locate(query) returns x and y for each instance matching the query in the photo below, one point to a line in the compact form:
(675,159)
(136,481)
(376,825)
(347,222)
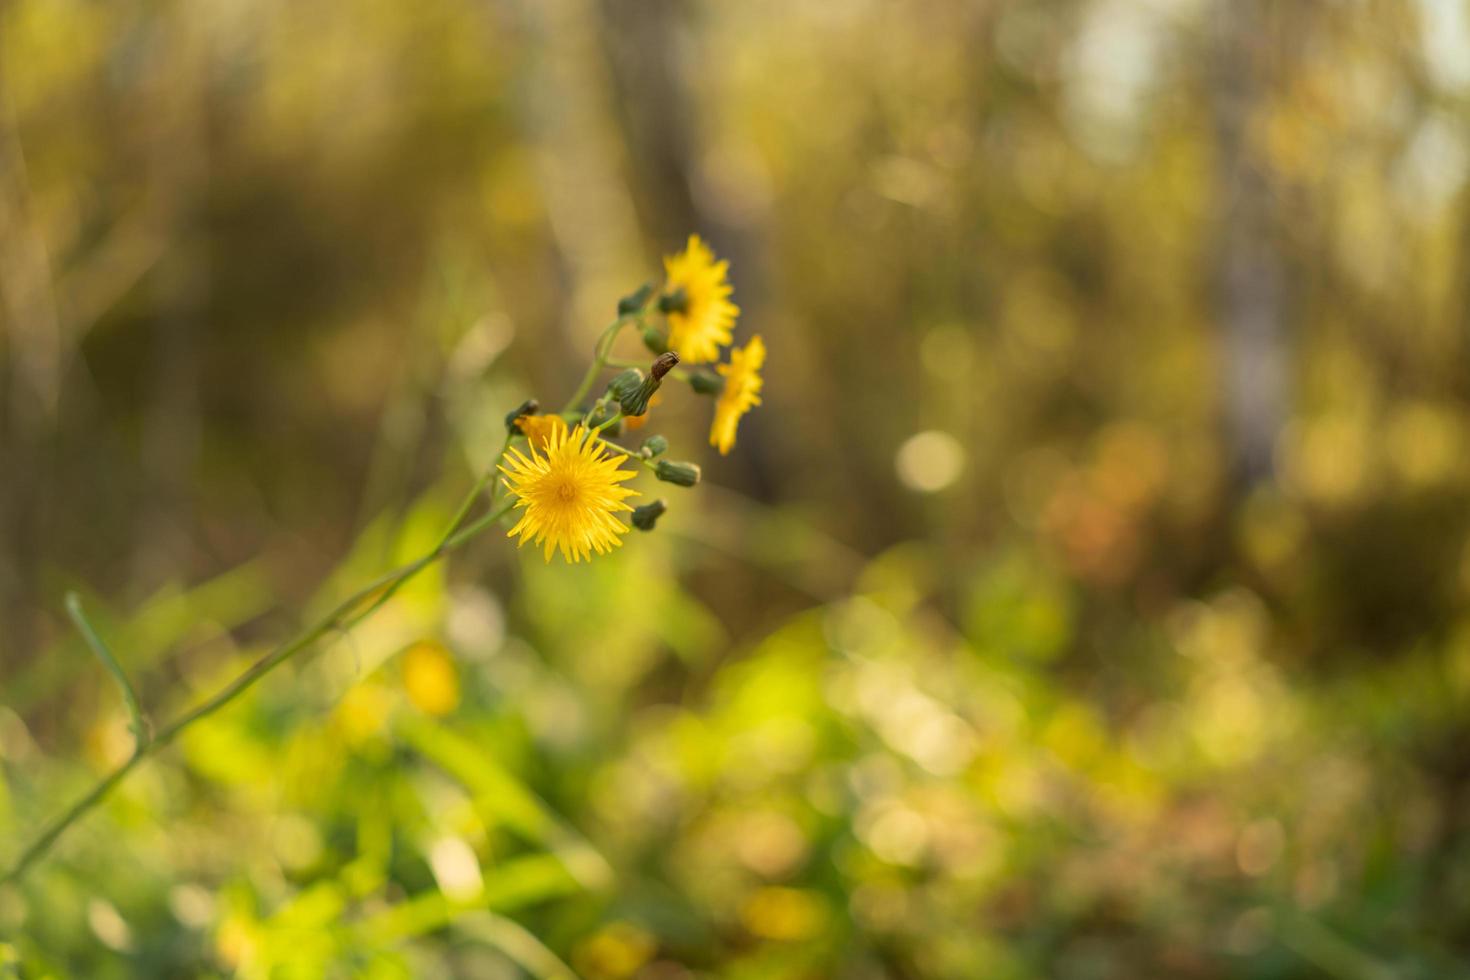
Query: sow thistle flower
(569,494)
(697,300)
(566,482)
(539,429)
(741,393)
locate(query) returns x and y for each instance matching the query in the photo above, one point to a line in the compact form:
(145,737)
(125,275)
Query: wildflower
(697,301)
(569,494)
(538,429)
(431,679)
(528,407)
(742,392)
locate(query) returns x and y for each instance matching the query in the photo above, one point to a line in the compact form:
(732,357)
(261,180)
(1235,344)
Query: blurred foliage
(1088,599)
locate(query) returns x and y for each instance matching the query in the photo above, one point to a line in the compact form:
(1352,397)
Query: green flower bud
(679,474)
(635,301)
(655,340)
(653,446)
(705,383)
(625,385)
(674,302)
(528,407)
(632,390)
(645,517)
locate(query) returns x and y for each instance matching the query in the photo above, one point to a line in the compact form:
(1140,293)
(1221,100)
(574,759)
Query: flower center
(566,492)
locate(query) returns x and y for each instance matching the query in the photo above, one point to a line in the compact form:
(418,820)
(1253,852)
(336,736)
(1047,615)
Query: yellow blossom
(431,679)
(741,393)
(538,429)
(569,493)
(702,326)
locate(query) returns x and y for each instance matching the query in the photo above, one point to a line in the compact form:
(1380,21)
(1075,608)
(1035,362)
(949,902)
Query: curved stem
(136,722)
(600,354)
(631,454)
(345,615)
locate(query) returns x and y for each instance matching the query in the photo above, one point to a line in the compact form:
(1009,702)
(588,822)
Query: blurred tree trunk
(31,346)
(1248,274)
(564,107)
(641,38)
(645,46)
(178,92)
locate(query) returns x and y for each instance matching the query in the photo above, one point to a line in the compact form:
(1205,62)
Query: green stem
(137,723)
(631,454)
(603,425)
(592,410)
(345,615)
(600,354)
(491,473)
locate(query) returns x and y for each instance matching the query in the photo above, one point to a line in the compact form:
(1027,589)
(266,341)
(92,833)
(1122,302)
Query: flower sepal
(645,517)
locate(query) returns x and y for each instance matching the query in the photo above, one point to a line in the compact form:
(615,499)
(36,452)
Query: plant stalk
(344,616)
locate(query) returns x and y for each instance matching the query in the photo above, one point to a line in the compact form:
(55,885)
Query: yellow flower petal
(568,495)
(741,393)
(539,428)
(704,325)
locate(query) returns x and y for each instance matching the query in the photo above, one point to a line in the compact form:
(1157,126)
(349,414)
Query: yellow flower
(703,325)
(741,393)
(538,429)
(570,494)
(431,679)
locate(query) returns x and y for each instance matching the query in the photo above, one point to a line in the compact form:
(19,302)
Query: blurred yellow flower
(702,326)
(431,679)
(615,951)
(361,712)
(538,429)
(741,394)
(570,494)
(784,913)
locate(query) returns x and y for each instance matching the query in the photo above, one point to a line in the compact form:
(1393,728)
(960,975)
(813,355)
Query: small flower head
(538,429)
(569,494)
(528,407)
(701,320)
(636,300)
(645,518)
(741,393)
(677,472)
(655,339)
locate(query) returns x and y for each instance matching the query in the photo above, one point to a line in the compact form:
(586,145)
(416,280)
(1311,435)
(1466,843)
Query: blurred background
(1088,599)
